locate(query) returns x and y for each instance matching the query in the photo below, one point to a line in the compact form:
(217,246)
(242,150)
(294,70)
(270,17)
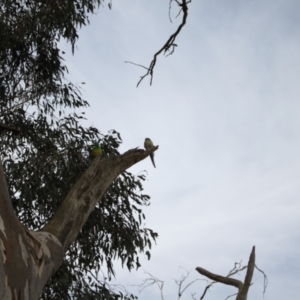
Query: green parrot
(148,145)
(97,151)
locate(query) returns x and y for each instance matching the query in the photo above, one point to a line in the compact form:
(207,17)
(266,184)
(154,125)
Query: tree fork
(242,287)
(29,258)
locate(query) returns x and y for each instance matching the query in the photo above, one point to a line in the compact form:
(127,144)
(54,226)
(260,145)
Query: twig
(129,62)
(181,281)
(206,289)
(265,279)
(170,11)
(230,296)
(151,281)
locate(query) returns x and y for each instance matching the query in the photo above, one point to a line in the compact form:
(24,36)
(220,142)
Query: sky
(225,112)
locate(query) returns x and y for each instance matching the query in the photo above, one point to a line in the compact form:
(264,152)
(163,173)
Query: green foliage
(51,150)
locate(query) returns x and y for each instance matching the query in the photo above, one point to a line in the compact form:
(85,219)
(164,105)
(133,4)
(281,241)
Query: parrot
(97,151)
(148,145)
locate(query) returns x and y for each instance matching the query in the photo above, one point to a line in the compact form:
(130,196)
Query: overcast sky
(225,112)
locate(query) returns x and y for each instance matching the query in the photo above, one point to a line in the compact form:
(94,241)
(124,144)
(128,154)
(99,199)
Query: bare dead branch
(243,287)
(170,4)
(236,269)
(206,289)
(265,279)
(226,280)
(242,295)
(181,281)
(230,296)
(169,46)
(233,272)
(129,62)
(188,285)
(193,296)
(151,281)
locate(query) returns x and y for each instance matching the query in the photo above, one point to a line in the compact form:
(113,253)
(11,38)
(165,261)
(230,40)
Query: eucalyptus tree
(64,216)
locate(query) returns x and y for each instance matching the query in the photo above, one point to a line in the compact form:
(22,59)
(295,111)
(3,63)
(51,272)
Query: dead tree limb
(226,280)
(242,295)
(169,46)
(265,278)
(236,269)
(242,287)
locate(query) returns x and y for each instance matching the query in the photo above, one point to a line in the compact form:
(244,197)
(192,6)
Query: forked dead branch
(183,285)
(243,287)
(169,47)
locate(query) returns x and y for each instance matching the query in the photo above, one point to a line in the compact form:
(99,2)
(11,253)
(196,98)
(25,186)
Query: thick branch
(81,200)
(226,280)
(169,45)
(242,295)
(242,287)
(231,273)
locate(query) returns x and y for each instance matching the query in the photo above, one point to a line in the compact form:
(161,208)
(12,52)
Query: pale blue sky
(225,112)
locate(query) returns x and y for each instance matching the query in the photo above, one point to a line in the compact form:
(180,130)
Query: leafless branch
(151,281)
(236,269)
(170,4)
(243,287)
(230,296)
(265,279)
(193,296)
(129,62)
(169,46)
(206,289)
(226,280)
(181,281)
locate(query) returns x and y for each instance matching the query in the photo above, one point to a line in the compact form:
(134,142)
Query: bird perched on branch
(148,145)
(97,151)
